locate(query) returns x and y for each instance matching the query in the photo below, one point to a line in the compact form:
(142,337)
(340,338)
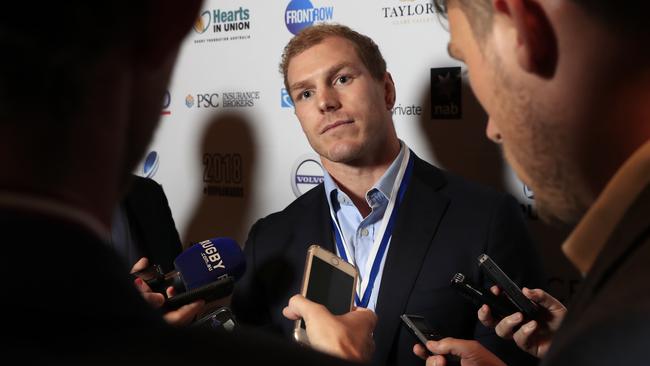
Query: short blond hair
(366,48)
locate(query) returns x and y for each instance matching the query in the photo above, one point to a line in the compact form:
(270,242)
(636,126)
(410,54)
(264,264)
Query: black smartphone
(222,318)
(420,328)
(526,306)
(212,291)
(500,306)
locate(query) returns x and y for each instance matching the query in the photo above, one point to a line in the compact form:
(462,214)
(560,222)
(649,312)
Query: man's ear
(165,25)
(389,91)
(537,48)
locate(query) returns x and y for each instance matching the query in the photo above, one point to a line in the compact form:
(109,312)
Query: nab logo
(203,22)
(285,99)
(167,100)
(446,96)
(151,163)
(306,174)
(301,14)
(529,192)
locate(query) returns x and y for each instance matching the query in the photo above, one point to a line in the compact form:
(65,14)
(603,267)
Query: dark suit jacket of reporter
(151,222)
(70,301)
(608,322)
(443,225)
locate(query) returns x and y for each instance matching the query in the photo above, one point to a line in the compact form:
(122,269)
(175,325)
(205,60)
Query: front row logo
(301,14)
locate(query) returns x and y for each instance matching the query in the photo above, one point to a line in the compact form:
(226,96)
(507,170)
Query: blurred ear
(389,91)
(165,25)
(537,48)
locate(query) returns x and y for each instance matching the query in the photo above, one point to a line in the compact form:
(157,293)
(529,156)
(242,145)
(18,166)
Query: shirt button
(364,232)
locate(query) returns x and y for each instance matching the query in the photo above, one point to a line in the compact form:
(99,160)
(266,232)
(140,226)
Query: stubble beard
(536,153)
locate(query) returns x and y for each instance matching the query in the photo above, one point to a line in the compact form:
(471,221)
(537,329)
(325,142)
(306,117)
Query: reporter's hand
(471,353)
(485,313)
(532,337)
(348,336)
(179,317)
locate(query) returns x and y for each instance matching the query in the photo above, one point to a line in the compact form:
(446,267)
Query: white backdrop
(229,149)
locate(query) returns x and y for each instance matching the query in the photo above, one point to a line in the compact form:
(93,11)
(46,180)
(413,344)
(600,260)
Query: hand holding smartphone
(210,292)
(500,306)
(420,328)
(523,304)
(328,280)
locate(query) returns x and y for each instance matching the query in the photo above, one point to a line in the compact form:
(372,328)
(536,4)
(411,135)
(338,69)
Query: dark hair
(366,48)
(627,20)
(45,60)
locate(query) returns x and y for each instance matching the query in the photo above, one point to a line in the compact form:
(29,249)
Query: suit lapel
(621,244)
(417,222)
(316,210)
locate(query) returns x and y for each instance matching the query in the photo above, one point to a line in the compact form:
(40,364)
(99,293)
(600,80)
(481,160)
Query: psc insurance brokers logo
(446,95)
(301,14)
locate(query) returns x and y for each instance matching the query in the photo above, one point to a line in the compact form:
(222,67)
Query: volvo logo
(306,174)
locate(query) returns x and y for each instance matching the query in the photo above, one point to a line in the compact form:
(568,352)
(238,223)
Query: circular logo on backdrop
(167,100)
(151,163)
(306,174)
(301,14)
(292,15)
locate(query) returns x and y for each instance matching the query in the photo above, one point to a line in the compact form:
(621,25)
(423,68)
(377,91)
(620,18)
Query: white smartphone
(328,280)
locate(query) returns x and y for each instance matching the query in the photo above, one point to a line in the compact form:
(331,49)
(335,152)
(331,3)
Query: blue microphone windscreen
(210,260)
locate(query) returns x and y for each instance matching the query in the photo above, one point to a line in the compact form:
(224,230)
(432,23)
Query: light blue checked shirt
(359,233)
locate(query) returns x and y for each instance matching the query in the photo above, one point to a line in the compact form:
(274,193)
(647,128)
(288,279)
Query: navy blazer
(443,225)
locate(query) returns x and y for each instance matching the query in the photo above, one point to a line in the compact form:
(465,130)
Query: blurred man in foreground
(98,71)
(566,84)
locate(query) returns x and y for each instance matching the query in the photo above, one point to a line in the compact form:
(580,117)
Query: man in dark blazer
(143,225)
(566,86)
(101,70)
(343,98)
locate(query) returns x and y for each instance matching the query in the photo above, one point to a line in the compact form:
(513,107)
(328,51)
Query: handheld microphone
(206,270)
(209,261)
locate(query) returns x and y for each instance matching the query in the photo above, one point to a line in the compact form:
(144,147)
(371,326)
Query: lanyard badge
(365,287)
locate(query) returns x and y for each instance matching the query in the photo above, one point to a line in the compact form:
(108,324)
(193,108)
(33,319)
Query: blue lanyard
(363,302)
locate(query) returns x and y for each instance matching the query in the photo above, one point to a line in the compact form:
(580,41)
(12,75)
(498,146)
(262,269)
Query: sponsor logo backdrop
(229,149)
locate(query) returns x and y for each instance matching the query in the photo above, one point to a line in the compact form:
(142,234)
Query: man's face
(523,114)
(343,110)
